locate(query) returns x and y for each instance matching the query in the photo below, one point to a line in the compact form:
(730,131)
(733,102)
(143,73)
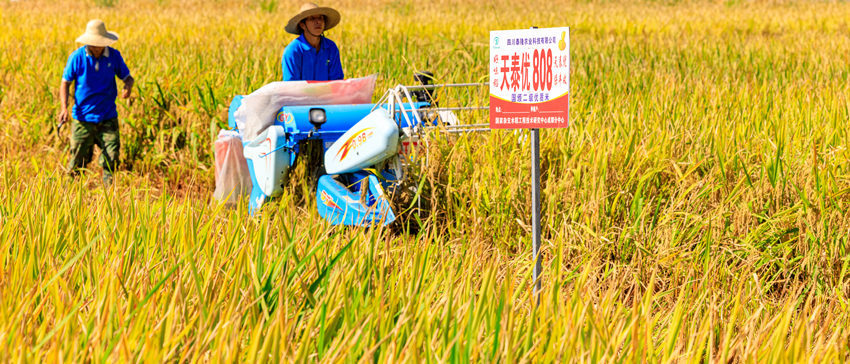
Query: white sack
(232,178)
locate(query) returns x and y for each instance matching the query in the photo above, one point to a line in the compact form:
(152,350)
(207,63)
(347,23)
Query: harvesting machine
(365,148)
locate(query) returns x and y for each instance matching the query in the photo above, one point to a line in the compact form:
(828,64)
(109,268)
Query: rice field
(696,210)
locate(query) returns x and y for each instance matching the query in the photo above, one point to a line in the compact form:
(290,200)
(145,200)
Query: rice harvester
(361,144)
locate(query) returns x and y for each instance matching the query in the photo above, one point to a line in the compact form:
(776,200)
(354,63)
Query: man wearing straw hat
(311,56)
(93,68)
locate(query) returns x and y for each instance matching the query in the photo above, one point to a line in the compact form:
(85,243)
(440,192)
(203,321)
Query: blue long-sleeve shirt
(301,61)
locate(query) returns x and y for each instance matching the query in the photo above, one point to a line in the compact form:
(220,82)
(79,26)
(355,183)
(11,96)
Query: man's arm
(290,63)
(128,87)
(122,72)
(63,102)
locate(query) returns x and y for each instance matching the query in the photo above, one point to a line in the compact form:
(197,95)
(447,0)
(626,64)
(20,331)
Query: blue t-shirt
(95,92)
(302,62)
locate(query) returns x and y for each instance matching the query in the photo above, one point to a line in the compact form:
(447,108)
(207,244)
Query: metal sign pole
(535,210)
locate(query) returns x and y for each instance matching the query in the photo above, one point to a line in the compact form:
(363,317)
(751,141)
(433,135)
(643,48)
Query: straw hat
(310,9)
(96,34)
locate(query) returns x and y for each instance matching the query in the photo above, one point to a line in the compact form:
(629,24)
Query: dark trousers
(84,136)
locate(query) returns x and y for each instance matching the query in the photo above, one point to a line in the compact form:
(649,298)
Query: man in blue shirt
(311,56)
(93,68)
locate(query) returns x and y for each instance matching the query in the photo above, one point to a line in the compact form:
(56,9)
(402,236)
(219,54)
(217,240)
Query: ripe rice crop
(695,211)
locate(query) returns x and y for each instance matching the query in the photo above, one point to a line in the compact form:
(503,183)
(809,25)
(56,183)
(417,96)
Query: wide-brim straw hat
(96,34)
(308,10)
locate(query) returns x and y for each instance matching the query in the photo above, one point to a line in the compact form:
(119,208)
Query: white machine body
(371,140)
(269,160)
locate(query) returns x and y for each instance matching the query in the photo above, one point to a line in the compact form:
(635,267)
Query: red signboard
(529,78)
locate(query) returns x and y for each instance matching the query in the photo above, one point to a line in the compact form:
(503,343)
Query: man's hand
(63,117)
(63,103)
(128,87)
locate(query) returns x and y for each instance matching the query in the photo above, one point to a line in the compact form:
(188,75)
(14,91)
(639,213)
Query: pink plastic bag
(260,107)
(232,178)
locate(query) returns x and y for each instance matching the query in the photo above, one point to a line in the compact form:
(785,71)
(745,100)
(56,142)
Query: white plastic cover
(232,179)
(269,159)
(258,109)
(371,140)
